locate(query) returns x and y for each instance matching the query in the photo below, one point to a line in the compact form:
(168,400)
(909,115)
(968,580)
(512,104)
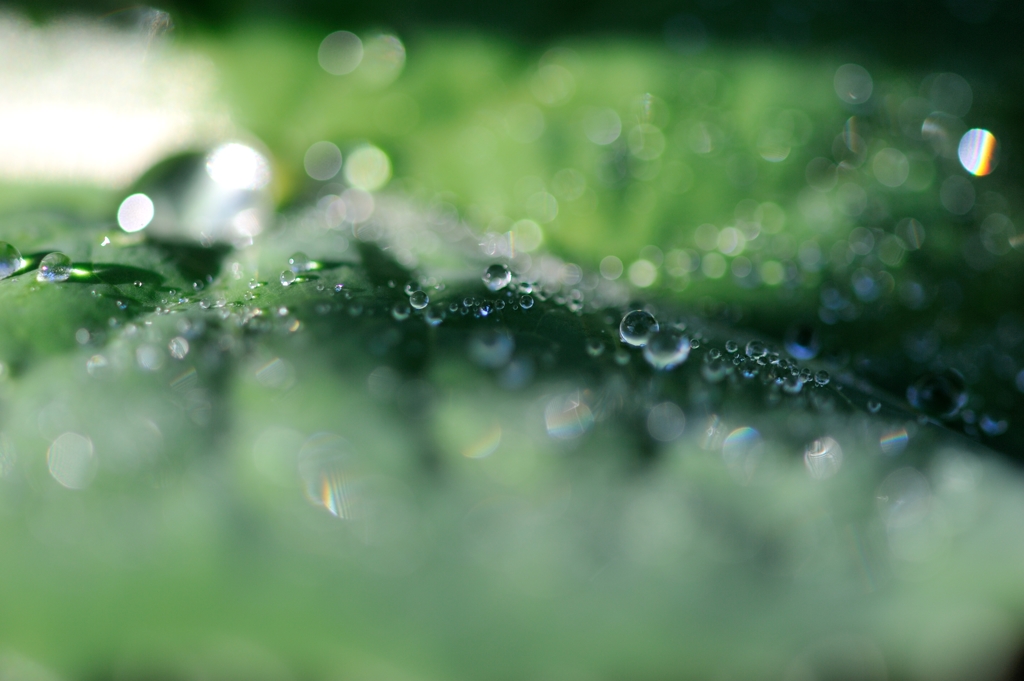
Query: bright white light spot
(135,213)
(237,166)
(368,168)
(643,273)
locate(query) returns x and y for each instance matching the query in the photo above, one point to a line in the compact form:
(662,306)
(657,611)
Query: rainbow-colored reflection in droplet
(977,151)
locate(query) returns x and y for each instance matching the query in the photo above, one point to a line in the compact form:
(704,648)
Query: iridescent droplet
(419,300)
(10,260)
(636,328)
(54,267)
(939,394)
(667,349)
(497,277)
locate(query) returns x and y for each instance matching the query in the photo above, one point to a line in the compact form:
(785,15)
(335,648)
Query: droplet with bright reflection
(977,152)
(636,328)
(238,166)
(823,457)
(568,416)
(666,422)
(178,347)
(322,160)
(10,260)
(667,349)
(419,300)
(939,394)
(54,267)
(741,451)
(853,83)
(340,53)
(135,213)
(368,168)
(497,277)
(72,461)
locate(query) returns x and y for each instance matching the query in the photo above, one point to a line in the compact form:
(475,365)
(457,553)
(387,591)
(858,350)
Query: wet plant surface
(534,385)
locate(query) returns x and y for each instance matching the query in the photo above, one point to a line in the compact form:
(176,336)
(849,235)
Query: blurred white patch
(86,102)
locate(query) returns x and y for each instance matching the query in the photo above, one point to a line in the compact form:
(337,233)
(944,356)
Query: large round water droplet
(939,394)
(54,267)
(667,349)
(802,342)
(300,262)
(731,346)
(636,327)
(419,300)
(10,260)
(497,277)
(756,349)
(526,302)
(822,378)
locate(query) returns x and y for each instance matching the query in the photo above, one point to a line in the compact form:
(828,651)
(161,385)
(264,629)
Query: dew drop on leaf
(636,328)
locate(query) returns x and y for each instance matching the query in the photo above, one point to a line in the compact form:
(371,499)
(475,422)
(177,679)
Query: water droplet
(823,457)
(401,311)
(10,260)
(874,406)
(54,267)
(667,349)
(756,349)
(748,368)
(792,385)
(993,426)
(714,370)
(419,300)
(434,315)
(939,394)
(491,348)
(636,328)
(497,277)
(526,302)
(694,343)
(802,342)
(299,262)
(821,378)
(731,346)
(178,347)
(595,347)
